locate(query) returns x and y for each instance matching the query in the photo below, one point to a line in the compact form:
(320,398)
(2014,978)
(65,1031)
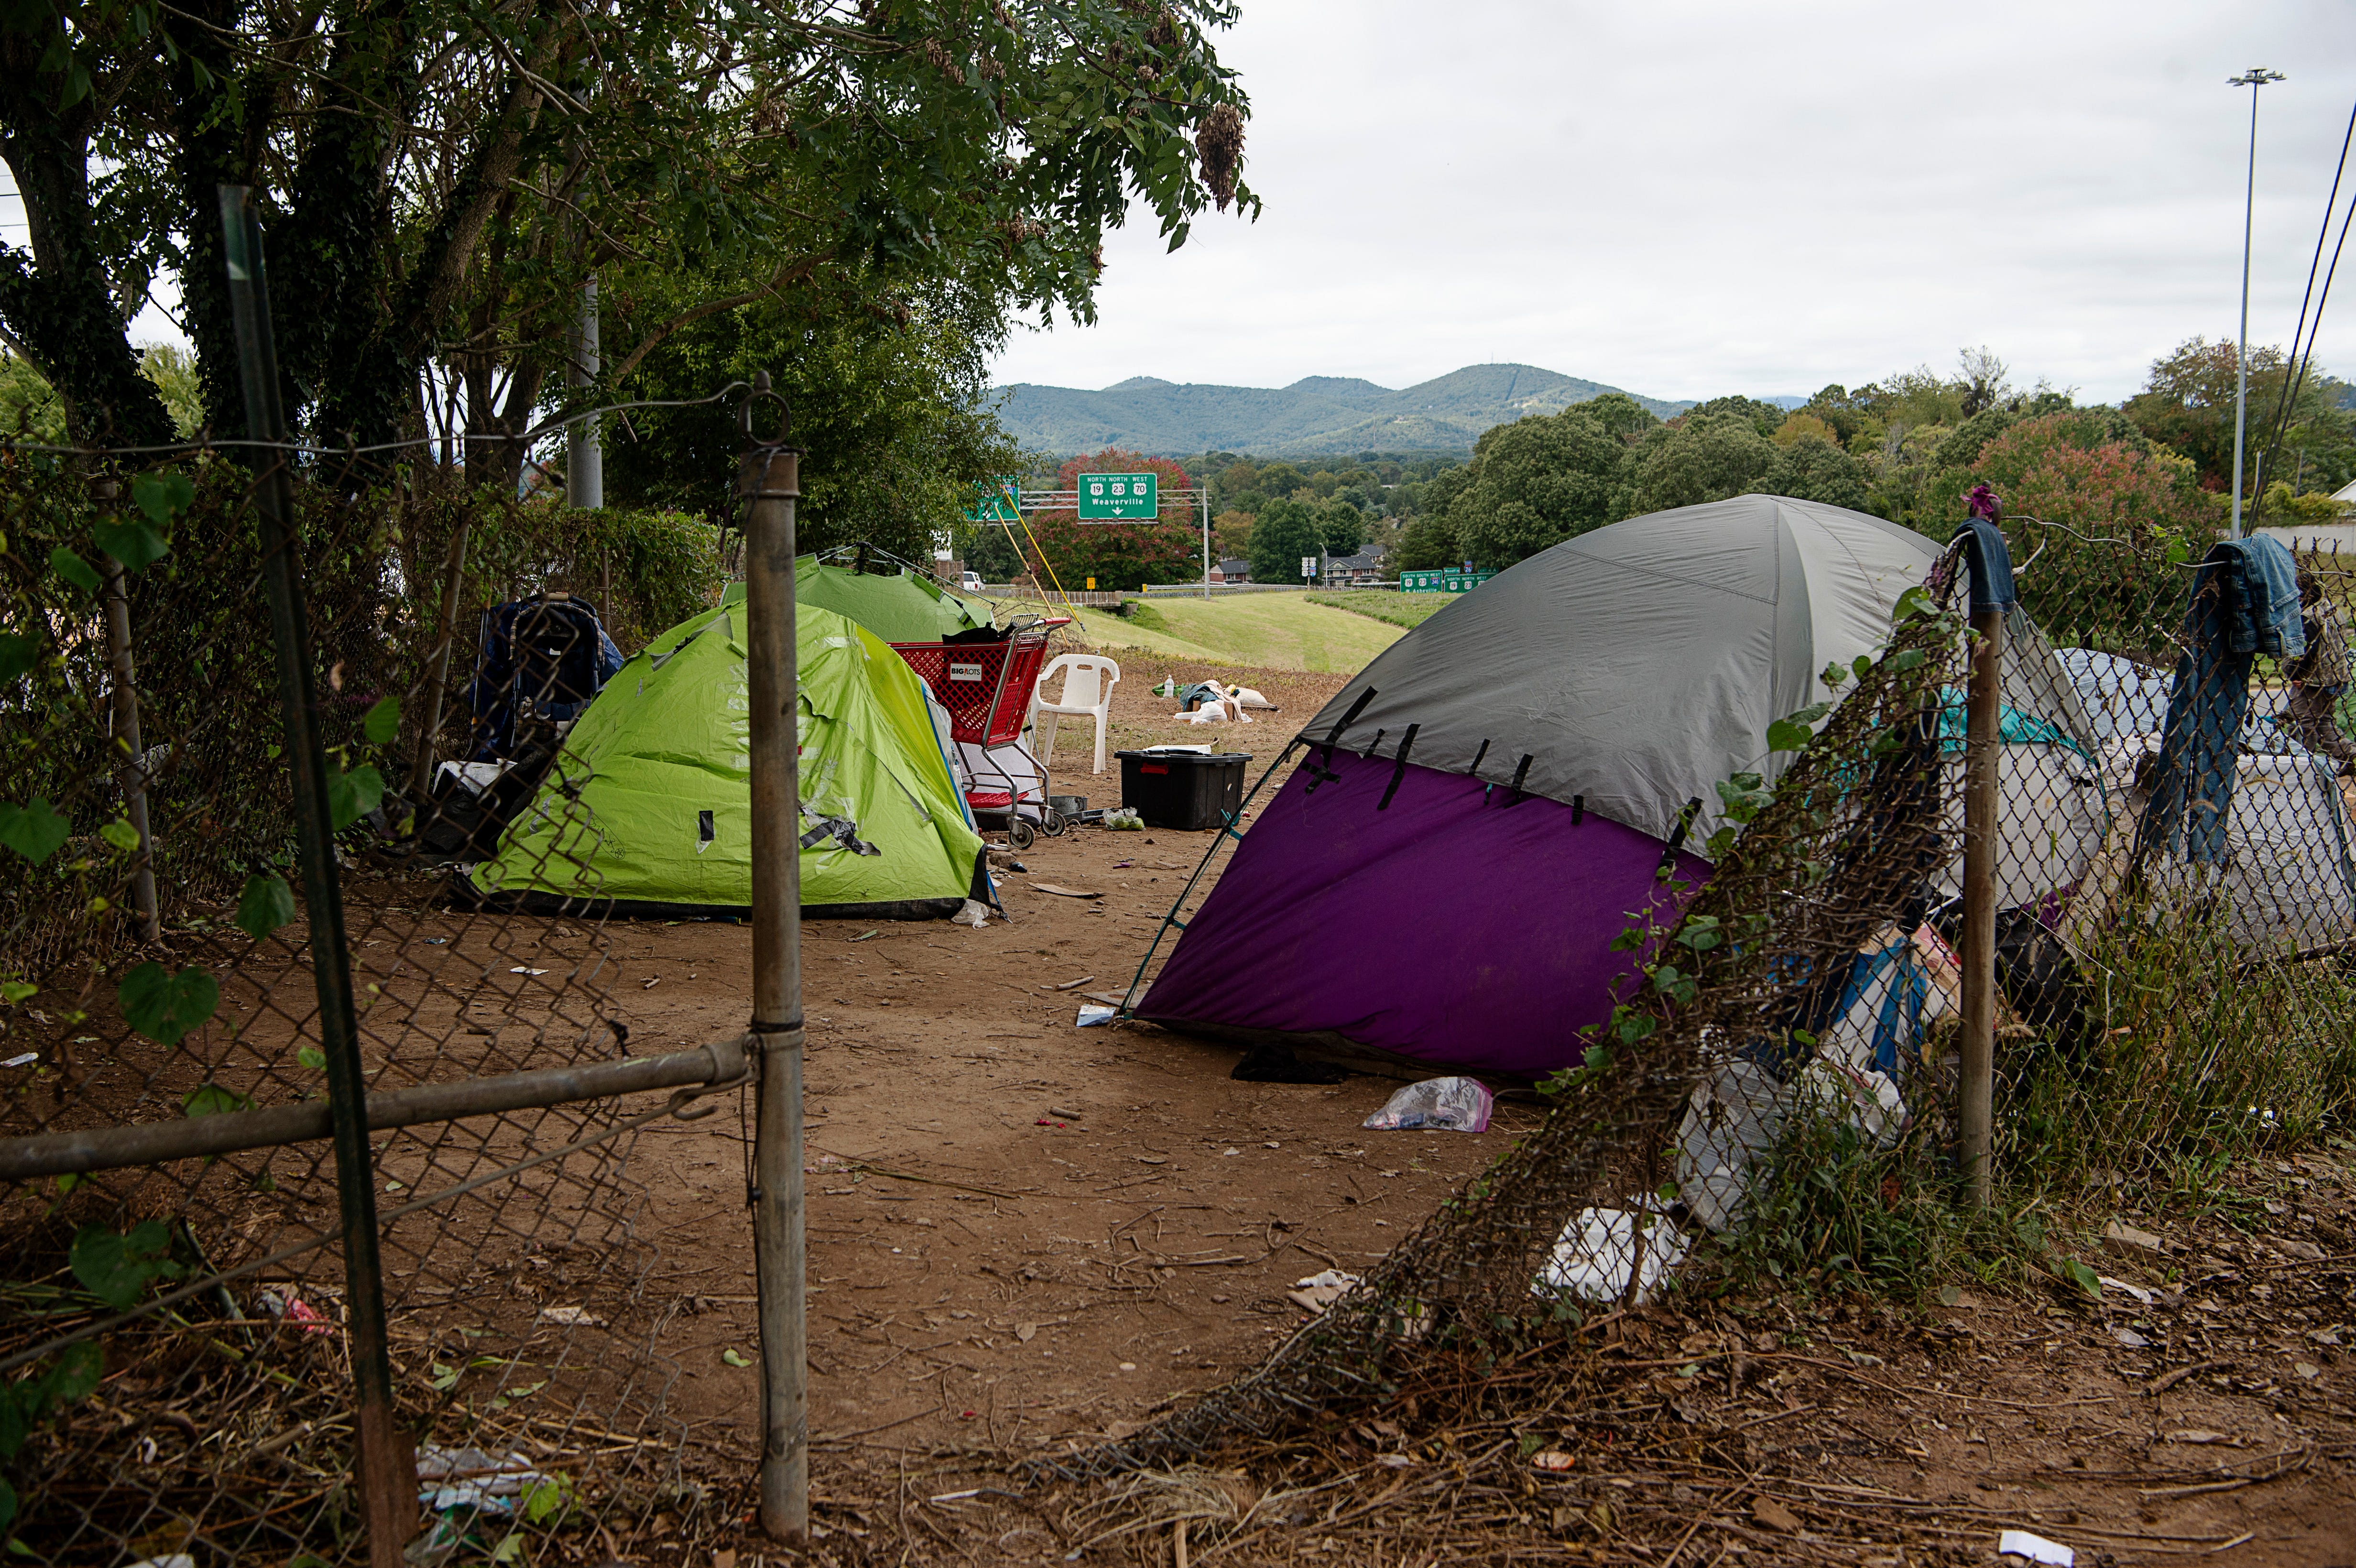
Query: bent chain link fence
(183,1362)
(2174,900)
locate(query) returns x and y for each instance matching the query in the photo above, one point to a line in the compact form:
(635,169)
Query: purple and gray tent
(1484,808)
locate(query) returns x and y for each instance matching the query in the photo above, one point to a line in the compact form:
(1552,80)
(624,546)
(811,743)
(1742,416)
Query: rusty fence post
(387,1475)
(769,483)
(1992,593)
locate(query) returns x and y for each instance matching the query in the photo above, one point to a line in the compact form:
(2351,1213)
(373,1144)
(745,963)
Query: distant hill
(1316,415)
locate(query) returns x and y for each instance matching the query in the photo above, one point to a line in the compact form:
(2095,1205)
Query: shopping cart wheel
(1055,824)
(1018,833)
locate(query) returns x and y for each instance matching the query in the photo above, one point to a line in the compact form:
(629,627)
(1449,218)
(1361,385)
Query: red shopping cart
(987,687)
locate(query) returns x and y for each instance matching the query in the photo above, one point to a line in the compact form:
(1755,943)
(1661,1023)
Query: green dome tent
(650,806)
(898,606)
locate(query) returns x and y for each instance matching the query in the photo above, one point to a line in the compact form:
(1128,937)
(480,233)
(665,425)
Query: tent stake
(770,484)
(1977,1095)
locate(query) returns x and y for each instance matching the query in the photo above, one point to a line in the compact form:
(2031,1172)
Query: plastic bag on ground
(1446,1105)
(1733,1119)
(1598,1250)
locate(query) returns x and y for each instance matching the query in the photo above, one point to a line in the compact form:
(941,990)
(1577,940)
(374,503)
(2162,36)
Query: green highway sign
(1118,498)
(994,501)
(1442,581)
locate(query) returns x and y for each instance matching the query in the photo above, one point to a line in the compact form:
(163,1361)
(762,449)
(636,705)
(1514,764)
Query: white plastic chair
(1089,680)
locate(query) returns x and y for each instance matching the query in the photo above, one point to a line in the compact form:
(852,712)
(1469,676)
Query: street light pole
(2256,78)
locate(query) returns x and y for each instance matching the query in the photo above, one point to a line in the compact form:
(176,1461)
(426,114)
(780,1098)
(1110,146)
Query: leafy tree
(1342,527)
(1122,555)
(1800,424)
(1763,417)
(1621,414)
(1278,479)
(2188,403)
(439,185)
(988,551)
(2075,470)
(1283,533)
(1814,468)
(1701,457)
(1430,543)
(1536,483)
(892,419)
(1231,535)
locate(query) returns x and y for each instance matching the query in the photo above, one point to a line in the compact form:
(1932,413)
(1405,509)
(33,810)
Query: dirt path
(1025,1235)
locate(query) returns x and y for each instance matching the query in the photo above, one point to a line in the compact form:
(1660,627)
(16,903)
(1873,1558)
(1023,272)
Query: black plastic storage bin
(1188,791)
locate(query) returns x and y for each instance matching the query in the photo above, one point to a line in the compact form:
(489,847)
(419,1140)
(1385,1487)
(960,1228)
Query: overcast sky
(1691,198)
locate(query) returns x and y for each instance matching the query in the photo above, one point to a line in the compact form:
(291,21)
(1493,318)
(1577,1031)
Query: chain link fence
(322,1239)
(2127,766)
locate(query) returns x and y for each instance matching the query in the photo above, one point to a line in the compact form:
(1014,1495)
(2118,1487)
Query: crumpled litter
(1445,1104)
(1593,1257)
(1091,1014)
(975,913)
(1320,1290)
(473,1477)
(2036,1548)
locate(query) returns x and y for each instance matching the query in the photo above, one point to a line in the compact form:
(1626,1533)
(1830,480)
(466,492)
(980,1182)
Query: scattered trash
(1320,1290)
(474,1479)
(1553,1459)
(2138,1292)
(1075,984)
(177,1560)
(522,969)
(2036,1548)
(2127,1242)
(732,1356)
(1594,1256)
(295,1310)
(1124,820)
(436,940)
(865,934)
(974,913)
(1169,686)
(1091,1014)
(1730,1123)
(24,1060)
(2130,1339)
(572,1317)
(1448,1105)
(1063,892)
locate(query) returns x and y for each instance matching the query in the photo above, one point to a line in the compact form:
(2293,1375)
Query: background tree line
(1905,449)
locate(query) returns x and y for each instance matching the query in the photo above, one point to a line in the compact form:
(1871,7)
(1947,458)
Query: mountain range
(1315,415)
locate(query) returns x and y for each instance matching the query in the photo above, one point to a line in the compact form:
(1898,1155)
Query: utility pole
(585,458)
(2256,78)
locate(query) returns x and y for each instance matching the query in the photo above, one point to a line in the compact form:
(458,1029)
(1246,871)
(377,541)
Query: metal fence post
(1975,1098)
(770,483)
(388,1478)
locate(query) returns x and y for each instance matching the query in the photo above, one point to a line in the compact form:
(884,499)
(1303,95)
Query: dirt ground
(1027,1236)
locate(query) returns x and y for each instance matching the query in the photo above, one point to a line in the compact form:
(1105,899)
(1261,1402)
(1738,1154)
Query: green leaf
(383,722)
(2082,1276)
(117,1269)
(14,991)
(165,1007)
(122,835)
(1785,736)
(135,544)
(542,1499)
(312,1057)
(732,1359)
(76,1376)
(18,654)
(33,831)
(266,904)
(73,569)
(163,497)
(353,795)
(212,1100)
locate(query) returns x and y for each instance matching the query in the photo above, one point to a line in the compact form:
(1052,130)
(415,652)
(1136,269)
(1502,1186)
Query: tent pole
(1977,1095)
(770,484)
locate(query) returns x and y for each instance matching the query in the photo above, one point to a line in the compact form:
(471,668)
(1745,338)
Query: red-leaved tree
(1121,555)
